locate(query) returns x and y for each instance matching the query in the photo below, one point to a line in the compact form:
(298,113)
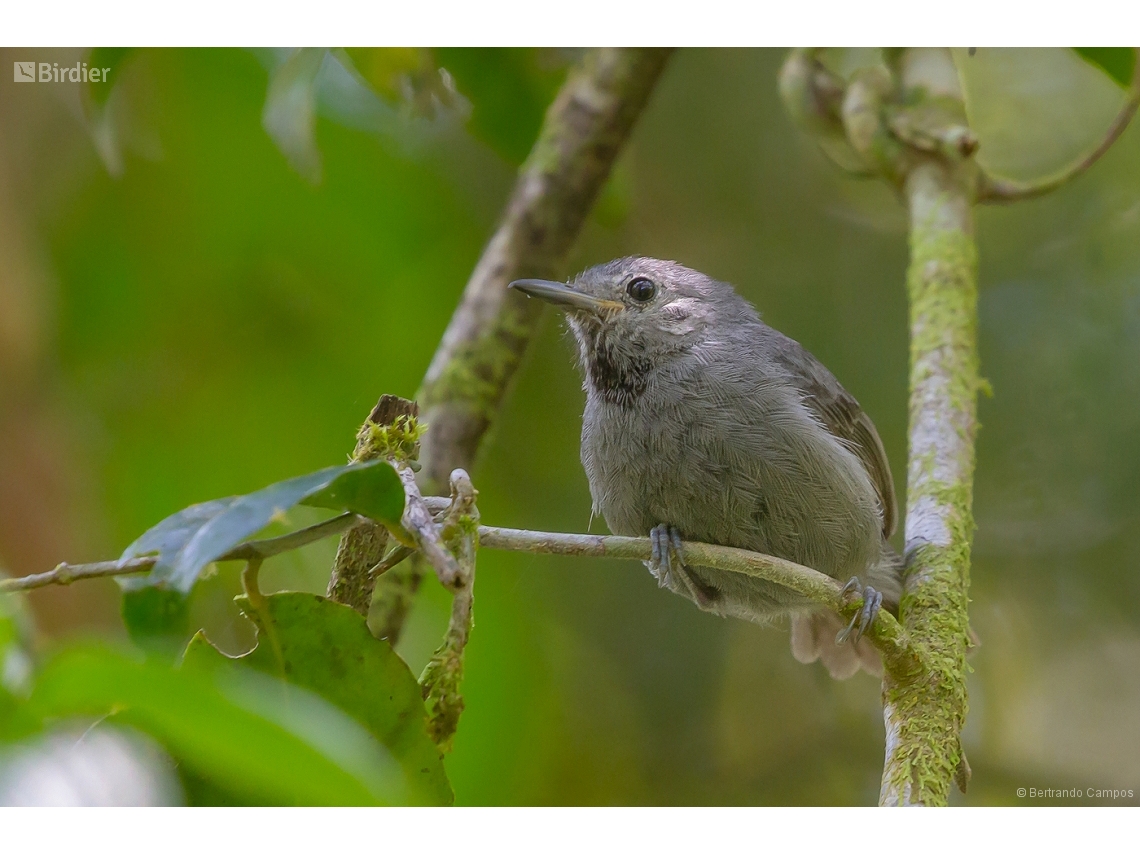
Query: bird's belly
(803,507)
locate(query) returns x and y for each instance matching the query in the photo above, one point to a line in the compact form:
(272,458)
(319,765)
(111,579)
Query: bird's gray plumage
(701,417)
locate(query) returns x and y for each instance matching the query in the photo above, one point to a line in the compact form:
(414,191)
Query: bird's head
(634,315)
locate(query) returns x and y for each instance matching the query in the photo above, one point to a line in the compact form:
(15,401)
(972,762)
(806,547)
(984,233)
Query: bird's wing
(842,415)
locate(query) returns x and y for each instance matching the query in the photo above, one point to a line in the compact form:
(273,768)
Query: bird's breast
(738,465)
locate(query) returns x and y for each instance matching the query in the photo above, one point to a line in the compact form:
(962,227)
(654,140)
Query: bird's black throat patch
(619,377)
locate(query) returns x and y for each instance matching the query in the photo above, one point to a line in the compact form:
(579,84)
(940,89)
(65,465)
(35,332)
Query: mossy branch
(392,432)
(582,133)
(905,121)
(924,713)
(441,678)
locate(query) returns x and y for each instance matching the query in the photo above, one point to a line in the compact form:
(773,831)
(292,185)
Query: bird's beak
(564,296)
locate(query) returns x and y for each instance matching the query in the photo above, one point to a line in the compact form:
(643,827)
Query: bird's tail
(813,638)
(813,633)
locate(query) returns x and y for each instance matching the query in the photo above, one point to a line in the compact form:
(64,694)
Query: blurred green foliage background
(186,313)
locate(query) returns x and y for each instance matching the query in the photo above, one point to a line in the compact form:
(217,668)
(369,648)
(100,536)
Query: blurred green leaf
(1035,111)
(15,659)
(408,76)
(289,116)
(326,647)
(112,59)
(157,620)
(107,130)
(263,740)
(383,68)
(190,539)
(509,89)
(1119,63)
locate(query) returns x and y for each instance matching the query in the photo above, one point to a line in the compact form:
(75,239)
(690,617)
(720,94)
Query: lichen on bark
(925,711)
(392,430)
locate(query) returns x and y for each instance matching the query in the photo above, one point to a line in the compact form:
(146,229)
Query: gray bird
(702,423)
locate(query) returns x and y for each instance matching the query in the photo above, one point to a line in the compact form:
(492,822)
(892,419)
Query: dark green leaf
(372,491)
(261,739)
(1119,63)
(189,540)
(326,647)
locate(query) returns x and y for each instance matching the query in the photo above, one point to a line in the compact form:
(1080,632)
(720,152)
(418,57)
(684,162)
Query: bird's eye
(641,289)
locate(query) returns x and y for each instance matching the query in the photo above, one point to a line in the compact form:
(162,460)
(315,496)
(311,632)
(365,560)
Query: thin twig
(394,557)
(65,574)
(444,673)
(809,583)
(803,580)
(1003,190)
(263,615)
(418,521)
(295,539)
(886,633)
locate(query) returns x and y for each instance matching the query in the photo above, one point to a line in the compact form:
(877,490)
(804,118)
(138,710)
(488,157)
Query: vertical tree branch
(440,681)
(581,136)
(924,712)
(924,715)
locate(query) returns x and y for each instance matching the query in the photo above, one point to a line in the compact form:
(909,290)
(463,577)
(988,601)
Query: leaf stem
(1003,191)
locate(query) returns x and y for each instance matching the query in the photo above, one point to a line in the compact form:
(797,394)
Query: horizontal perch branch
(886,633)
(65,574)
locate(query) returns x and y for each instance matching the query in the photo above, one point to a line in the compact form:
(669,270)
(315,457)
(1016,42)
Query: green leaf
(258,738)
(289,116)
(192,538)
(326,648)
(16,664)
(407,76)
(371,490)
(1119,63)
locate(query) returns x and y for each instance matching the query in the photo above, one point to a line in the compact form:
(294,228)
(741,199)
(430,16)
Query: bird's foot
(666,562)
(872,602)
(668,567)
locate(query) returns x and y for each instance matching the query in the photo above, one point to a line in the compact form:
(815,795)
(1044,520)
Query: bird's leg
(668,567)
(658,562)
(872,602)
(661,560)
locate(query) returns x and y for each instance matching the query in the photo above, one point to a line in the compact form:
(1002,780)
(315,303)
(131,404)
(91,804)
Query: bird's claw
(872,602)
(666,562)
